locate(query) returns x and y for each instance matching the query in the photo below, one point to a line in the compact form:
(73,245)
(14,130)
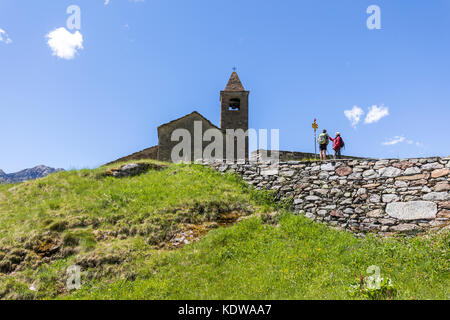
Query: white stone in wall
(401,184)
(269,172)
(378,213)
(327,167)
(390,172)
(354,176)
(335,191)
(388,222)
(405,228)
(322,192)
(361,191)
(412,171)
(375,198)
(370,174)
(346,201)
(389,198)
(432,166)
(436,196)
(323,175)
(289,173)
(381,164)
(413,210)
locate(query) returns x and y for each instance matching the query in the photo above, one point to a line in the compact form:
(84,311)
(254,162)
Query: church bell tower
(234,107)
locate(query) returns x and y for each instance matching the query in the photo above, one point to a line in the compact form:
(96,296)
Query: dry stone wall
(384,196)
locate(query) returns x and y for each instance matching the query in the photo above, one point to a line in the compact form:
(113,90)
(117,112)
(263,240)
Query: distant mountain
(27,174)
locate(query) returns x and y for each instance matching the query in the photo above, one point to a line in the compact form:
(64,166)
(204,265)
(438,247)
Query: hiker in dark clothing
(324,139)
(338,144)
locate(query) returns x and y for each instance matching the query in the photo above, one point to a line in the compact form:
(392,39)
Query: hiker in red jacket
(338,144)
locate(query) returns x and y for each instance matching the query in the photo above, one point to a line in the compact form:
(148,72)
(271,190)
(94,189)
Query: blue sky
(144,63)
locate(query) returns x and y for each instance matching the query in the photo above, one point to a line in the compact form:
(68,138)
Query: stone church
(233,115)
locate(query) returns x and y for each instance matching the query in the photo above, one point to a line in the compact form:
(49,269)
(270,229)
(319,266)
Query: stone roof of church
(234,84)
(194,113)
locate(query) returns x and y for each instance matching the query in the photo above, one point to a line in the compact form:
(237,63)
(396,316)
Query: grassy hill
(187,232)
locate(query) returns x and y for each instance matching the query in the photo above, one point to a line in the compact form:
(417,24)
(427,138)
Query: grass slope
(121,231)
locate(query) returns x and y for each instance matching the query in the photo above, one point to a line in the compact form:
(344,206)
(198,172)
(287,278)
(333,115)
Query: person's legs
(337,154)
(323,153)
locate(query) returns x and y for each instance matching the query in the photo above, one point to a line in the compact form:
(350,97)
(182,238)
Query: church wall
(165,134)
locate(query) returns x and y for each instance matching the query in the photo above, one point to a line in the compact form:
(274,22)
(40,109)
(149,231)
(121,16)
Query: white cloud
(354,115)
(400,139)
(4,37)
(376,114)
(65,44)
(394,141)
(106,2)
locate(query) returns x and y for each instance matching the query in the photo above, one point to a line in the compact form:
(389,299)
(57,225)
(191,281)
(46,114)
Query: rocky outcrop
(384,196)
(27,174)
(133,169)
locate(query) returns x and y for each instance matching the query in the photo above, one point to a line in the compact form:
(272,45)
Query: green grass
(297,260)
(116,230)
(5,187)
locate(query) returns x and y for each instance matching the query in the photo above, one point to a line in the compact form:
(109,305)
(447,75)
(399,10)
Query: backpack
(323,138)
(342,144)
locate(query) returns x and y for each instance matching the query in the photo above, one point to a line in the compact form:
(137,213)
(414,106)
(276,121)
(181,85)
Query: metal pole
(315,145)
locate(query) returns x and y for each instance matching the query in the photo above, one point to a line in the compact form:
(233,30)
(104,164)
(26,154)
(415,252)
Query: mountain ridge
(36,172)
